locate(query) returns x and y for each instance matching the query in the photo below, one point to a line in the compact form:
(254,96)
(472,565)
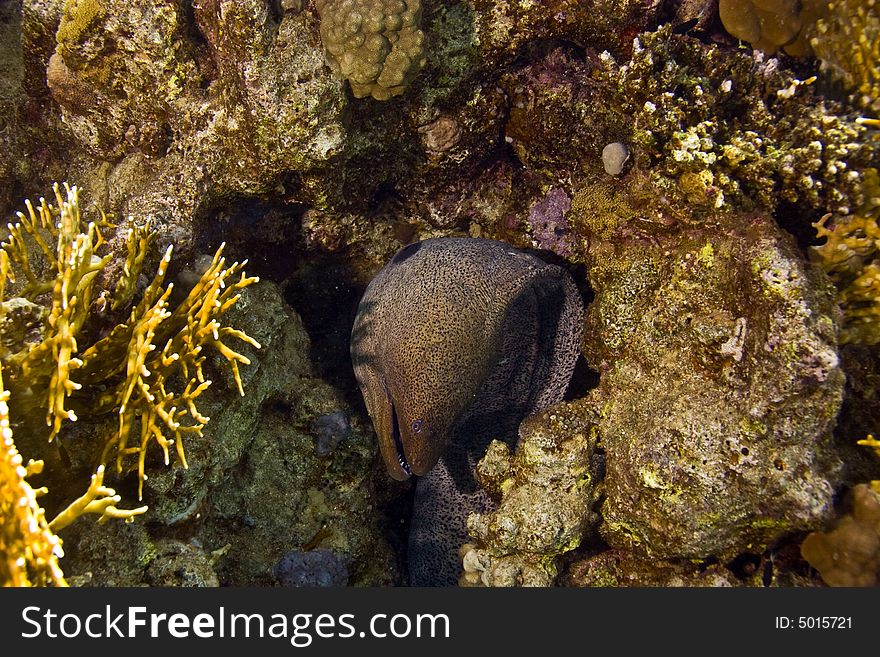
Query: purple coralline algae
(548,224)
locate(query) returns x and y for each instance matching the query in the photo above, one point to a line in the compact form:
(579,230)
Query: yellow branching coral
(29,549)
(874,444)
(75,266)
(138,241)
(851,257)
(29,545)
(148,369)
(98,499)
(847,40)
(145,397)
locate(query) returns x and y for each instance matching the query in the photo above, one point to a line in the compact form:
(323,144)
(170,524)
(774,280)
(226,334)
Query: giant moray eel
(457,340)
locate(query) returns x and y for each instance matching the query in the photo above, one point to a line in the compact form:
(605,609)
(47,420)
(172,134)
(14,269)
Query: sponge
(849,555)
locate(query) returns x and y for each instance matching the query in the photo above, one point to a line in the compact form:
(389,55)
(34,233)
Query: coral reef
(124,371)
(844,35)
(709,145)
(774,568)
(847,40)
(510,26)
(623,568)
(220,100)
(772,24)
(377,45)
(849,555)
(181,564)
(50,257)
(547,492)
(708,465)
(256,487)
(29,549)
(548,223)
(718,350)
(139,79)
(851,257)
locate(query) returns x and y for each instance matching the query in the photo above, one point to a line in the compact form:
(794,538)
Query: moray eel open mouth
(398,442)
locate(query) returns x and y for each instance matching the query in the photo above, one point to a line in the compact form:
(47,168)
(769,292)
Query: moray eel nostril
(457,340)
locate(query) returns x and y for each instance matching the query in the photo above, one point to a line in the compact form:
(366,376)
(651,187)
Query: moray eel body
(457,340)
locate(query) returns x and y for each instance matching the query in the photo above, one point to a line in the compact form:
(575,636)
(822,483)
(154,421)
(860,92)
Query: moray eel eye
(417,426)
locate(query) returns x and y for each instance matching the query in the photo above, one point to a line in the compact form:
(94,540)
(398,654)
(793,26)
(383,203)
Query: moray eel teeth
(398,443)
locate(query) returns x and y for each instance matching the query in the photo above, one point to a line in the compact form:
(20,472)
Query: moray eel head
(408,397)
(455,329)
(456,340)
(408,442)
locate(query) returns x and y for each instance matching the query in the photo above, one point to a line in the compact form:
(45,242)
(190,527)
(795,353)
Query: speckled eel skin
(457,340)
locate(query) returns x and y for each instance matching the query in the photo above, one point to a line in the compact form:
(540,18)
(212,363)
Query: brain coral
(377,45)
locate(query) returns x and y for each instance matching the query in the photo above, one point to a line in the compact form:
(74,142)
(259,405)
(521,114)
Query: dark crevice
(798,222)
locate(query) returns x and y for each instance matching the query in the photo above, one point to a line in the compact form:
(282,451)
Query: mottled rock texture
(547,492)
(721,386)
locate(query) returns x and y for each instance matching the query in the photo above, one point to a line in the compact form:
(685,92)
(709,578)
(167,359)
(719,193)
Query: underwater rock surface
(721,384)
(547,492)
(316,568)
(710,428)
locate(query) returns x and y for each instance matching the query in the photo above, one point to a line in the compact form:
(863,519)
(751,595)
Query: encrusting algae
(148,369)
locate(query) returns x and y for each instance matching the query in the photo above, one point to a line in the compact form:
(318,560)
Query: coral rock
(547,493)
(720,370)
(377,45)
(315,568)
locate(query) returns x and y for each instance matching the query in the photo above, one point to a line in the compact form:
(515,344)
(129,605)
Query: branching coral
(29,549)
(851,257)
(29,545)
(843,34)
(874,444)
(847,41)
(146,398)
(75,265)
(148,369)
(98,499)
